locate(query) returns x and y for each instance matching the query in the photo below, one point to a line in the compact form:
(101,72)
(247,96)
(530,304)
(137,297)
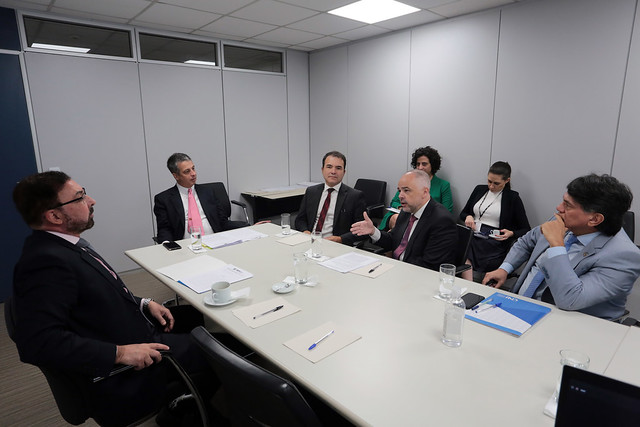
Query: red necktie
(323,212)
(194,214)
(405,238)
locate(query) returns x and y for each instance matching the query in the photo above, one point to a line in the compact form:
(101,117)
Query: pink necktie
(405,239)
(194,214)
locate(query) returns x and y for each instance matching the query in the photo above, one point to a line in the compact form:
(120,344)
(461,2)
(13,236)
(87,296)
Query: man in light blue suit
(592,272)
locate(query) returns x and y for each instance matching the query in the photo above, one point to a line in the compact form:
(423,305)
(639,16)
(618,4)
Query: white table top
(624,365)
(398,373)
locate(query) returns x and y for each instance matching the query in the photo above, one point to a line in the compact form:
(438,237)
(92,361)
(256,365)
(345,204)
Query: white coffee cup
(221,292)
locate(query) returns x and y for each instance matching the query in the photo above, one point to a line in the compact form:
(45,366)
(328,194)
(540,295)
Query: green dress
(440,191)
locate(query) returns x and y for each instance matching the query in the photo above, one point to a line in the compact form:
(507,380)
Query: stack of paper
(347,262)
(201,272)
(231,237)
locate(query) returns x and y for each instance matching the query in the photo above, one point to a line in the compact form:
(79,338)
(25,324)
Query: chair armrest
(462,268)
(241,204)
(378,206)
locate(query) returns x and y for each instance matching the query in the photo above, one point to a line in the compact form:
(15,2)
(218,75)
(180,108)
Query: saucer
(283,288)
(208,299)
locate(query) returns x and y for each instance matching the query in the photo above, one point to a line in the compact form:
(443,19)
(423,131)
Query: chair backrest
(255,395)
(629,224)
(465,234)
(64,387)
(221,194)
(375,192)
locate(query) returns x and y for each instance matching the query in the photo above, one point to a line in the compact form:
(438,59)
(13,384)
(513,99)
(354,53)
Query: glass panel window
(171,49)
(78,38)
(253,59)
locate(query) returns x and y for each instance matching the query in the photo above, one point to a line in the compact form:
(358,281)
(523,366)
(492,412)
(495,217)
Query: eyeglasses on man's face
(77,199)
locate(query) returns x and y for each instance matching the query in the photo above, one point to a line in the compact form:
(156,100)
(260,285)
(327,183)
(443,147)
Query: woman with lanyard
(496,213)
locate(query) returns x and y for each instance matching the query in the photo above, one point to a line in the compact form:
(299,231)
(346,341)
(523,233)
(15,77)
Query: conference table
(398,372)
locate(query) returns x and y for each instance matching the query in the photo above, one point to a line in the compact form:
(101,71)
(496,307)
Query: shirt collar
(585,239)
(335,187)
(68,237)
(420,211)
(184,190)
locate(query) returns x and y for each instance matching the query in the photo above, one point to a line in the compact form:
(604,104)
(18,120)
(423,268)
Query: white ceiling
(294,24)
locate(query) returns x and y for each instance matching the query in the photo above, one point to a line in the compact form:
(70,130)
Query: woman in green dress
(426,159)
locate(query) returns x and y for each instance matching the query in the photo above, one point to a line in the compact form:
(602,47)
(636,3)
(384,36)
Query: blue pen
(488,308)
(481,303)
(321,339)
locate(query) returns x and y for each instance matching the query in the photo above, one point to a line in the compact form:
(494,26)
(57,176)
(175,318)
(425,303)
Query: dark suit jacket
(71,313)
(170,214)
(433,241)
(350,206)
(512,214)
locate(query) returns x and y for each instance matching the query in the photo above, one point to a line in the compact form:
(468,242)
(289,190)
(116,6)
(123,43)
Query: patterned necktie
(539,277)
(194,213)
(325,209)
(405,238)
(86,246)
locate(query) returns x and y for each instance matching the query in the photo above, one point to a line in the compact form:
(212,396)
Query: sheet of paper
(296,239)
(202,282)
(231,237)
(348,262)
(339,339)
(195,265)
(498,316)
(377,267)
(262,313)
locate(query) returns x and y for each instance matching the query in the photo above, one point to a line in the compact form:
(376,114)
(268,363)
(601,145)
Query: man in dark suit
(425,233)
(74,314)
(323,210)
(171,207)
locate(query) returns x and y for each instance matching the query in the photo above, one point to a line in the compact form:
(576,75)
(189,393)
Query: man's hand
(363,228)
(336,239)
(498,277)
(139,355)
(554,231)
(162,315)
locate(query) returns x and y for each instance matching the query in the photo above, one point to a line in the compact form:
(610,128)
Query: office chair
(67,387)
(221,194)
(465,234)
(375,193)
(629,224)
(255,396)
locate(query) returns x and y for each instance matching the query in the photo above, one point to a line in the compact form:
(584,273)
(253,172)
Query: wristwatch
(145,304)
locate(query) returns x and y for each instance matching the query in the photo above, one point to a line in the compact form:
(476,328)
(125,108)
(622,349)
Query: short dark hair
(335,154)
(431,153)
(503,169)
(37,193)
(174,159)
(602,194)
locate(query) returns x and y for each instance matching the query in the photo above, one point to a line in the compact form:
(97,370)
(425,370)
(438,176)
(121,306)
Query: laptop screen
(591,399)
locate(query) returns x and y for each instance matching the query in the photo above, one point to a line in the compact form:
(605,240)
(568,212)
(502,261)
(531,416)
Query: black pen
(273,310)
(374,268)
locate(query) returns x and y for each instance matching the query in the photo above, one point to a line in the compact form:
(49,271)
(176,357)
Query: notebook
(588,399)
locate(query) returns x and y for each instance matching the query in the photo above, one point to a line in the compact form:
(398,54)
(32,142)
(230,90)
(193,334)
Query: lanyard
(488,206)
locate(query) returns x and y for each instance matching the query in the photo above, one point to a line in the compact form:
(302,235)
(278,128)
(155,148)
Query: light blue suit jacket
(595,282)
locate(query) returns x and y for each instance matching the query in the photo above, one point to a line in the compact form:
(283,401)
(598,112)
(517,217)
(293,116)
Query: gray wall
(552,86)
(111,124)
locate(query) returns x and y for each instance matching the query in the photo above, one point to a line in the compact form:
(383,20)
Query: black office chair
(465,234)
(375,193)
(67,387)
(629,224)
(254,395)
(221,194)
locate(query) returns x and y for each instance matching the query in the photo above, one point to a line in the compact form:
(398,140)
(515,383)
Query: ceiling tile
(39,5)
(175,16)
(362,32)
(218,36)
(119,8)
(326,24)
(410,20)
(238,27)
(272,12)
(221,7)
(323,42)
(427,4)
(288,36)
(266,43)
(90,16)
(462,7)
(319,5)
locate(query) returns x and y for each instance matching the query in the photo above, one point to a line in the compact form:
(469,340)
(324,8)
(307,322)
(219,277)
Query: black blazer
(350,205)
(71,313)
(432,243)
(167,206)
(512,214)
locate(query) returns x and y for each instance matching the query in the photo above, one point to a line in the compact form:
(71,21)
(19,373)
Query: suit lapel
(342,194)
(419,226)
(314,202)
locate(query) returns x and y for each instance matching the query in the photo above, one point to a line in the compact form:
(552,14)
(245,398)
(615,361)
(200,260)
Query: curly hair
(431,153)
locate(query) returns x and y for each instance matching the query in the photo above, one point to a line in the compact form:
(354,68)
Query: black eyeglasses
(84,194)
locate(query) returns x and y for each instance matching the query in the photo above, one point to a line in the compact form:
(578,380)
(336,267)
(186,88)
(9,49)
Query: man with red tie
(331,207)
(425,233)
(188,204)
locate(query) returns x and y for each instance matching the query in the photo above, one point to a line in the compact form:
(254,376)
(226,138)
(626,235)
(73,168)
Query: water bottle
(453,319)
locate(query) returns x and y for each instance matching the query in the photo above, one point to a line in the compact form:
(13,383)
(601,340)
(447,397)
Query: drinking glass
(196,238)
(316,244)
(447,277)
(571,358)
(285,223)
(300,268)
